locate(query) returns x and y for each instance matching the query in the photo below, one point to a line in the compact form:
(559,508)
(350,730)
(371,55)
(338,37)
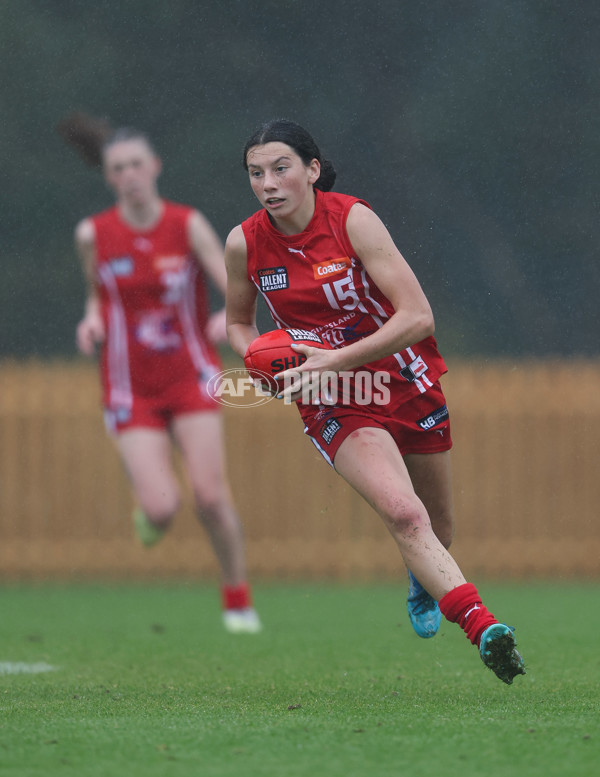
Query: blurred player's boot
(423,610)
(244,621)
(497,651)
(148,533)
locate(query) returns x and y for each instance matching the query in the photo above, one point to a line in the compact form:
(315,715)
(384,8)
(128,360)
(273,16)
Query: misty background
(470,127)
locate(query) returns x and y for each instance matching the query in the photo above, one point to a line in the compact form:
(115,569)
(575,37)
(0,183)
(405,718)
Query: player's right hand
(90,331)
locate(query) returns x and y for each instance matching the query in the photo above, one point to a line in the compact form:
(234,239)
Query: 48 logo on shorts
(434,419)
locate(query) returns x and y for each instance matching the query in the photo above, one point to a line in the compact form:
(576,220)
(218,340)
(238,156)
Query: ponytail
(86,134)
(91,136)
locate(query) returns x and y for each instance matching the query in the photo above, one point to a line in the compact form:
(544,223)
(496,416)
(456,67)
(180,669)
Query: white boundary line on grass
(19,667)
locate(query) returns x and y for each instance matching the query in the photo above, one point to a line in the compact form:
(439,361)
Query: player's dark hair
(296,137)
(90,136)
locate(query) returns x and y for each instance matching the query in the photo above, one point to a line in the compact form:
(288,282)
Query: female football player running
(341,276)
(145,261)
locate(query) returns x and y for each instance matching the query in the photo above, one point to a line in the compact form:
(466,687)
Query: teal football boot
(497,648)
(423,610)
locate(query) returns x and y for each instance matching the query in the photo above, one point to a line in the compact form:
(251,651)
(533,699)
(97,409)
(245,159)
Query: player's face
(282,182)
(131,170)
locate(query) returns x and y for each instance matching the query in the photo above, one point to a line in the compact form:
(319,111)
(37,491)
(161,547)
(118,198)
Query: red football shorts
(421,425)
(157,412)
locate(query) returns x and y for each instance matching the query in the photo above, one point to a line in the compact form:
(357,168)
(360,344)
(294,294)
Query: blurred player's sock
(239,617)
(147,532)
(497,649)
(423,610)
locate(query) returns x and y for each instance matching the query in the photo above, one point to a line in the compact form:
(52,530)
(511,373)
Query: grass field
(146,682)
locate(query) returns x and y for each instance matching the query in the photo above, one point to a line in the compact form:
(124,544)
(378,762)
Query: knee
(405,517)
(210,505)
(160,509)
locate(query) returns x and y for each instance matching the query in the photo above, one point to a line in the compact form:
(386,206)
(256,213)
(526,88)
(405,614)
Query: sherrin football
(271,353)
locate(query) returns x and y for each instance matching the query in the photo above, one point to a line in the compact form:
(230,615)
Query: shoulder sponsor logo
(329,430)
(434,419)
(121,266)
(273,279)
(331,267)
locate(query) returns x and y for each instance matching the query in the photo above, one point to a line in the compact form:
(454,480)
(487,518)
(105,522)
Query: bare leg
(431,476)
(146,456)
(370,462)
(200,437)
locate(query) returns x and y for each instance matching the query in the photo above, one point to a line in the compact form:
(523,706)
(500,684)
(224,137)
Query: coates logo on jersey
(273,279)
(169,263)
(331,267)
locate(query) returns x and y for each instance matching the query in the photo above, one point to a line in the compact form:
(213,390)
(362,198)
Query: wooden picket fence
(527,486)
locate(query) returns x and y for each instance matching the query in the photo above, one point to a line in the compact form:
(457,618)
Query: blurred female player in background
(340,275)
(144,262)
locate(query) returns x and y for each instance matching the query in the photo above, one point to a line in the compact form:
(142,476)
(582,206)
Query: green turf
(148,683)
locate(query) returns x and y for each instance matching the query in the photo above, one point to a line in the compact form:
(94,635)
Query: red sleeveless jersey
(154,306)
(315,281)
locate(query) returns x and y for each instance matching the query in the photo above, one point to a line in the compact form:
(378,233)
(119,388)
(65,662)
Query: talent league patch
(329,430)
(434,419)
(273,279)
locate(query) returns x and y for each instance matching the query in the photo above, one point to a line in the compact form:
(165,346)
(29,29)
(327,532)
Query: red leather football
(271,353)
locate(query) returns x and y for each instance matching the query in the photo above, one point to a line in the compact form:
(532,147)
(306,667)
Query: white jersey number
(342,295)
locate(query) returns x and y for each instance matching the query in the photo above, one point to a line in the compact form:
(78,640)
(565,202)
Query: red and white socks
(236,597)
(463,605)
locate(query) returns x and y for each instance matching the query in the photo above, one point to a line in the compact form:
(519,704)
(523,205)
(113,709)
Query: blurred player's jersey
(315,281)
(154,305)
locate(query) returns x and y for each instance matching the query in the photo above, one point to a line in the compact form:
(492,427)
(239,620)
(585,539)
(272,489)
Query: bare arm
(241,294)
(90,329)
(85,244)
(208,248)
(412,319)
